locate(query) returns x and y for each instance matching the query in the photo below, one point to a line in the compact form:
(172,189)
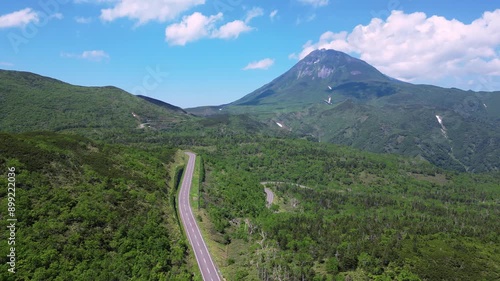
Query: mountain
(309,82)
(312,79)
(162,104)
(330,96)
(33,102)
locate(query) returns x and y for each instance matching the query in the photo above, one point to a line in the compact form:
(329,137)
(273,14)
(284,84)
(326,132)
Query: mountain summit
(335,67)
(313,79)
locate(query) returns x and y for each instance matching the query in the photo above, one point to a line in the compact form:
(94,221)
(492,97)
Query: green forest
(105,210)
(88,210)
(349,215)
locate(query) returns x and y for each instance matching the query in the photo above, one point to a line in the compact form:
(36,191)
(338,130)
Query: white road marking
(192,231)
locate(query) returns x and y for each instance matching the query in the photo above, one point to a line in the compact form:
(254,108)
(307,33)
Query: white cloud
(19,19)
(83,20)
(231,30)
(415,47)
(145,11)
(315,3)
(253,13)
(4,63)
(273,14)
(191,28)
(93,55)
(198,26)
(262,64)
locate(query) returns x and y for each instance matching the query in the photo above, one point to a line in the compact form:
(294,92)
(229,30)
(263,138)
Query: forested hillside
(357,216)
(90,211)
(31,102)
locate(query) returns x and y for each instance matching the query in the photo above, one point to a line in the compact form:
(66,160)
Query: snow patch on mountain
(443,128)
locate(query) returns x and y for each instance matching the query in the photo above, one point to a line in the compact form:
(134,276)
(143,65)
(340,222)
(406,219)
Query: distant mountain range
(330,96)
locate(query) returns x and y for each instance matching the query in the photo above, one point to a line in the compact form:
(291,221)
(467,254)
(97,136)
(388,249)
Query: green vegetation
(362,216)
(32,102)
(369,112)
(90,211)
(468,144)
(98,201)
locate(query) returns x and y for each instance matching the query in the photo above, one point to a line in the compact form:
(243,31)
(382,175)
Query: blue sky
(210,52)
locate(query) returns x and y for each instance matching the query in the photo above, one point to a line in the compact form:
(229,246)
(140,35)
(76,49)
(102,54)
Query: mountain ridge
(35,102)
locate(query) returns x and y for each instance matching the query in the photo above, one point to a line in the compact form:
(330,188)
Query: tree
(332,265)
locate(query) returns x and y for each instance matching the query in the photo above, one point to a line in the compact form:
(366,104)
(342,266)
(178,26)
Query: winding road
(269,196)
(207,267)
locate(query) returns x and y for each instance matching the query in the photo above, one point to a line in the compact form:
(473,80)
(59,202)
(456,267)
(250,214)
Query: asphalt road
(269,196)
(207,267)
(281,182)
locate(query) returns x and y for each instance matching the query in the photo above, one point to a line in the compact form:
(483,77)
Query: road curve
(207,267)
(282,182)
(269,196)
